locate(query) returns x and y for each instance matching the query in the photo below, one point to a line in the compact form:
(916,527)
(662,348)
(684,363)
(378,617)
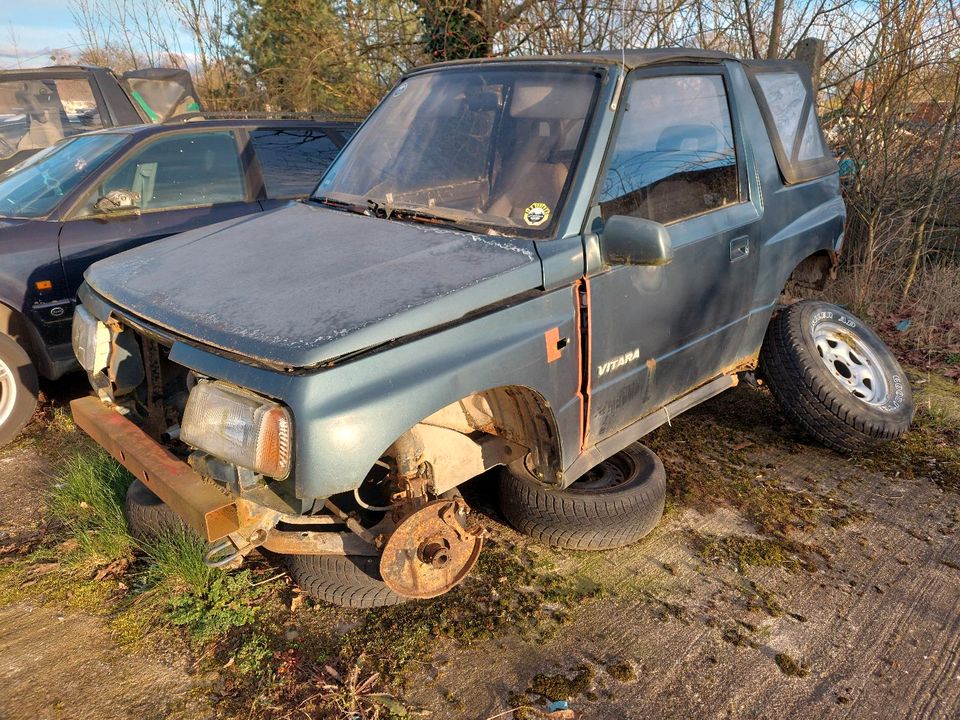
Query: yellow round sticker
(536,214)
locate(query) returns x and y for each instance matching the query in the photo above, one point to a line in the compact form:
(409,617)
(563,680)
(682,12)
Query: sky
(32,29)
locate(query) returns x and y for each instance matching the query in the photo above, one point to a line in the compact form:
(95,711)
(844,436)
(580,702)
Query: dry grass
(924,328)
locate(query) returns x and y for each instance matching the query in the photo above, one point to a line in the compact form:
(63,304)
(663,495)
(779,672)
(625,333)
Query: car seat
(43,111)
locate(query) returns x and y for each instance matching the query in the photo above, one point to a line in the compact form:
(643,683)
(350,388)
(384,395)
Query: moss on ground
(745,551)
(789,666)
(739,633)
(510,590)
(563,686)
(621,670)
(707,460)
(930,450)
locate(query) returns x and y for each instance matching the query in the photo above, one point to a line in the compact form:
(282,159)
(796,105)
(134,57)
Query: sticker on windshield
(536,214)
(401,89)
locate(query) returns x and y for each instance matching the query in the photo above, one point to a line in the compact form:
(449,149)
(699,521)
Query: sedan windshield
(33,188)
(489,147)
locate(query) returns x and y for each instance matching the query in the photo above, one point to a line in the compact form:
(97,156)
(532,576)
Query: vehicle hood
(305,284)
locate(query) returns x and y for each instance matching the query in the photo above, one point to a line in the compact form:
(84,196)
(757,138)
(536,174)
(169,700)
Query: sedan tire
(613,505)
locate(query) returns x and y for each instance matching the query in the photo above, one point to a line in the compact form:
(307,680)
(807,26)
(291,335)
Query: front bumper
(206,508)
(236,524)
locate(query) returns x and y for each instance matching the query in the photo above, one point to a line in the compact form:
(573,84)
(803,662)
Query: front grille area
(157,403)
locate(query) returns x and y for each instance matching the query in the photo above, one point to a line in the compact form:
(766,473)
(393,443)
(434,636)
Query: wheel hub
(854,365)
(431,551)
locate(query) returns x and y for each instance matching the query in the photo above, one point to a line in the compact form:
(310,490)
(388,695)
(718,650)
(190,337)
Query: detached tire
(351,581)
(148,516)
(613,505)
(834,378)
(18,389)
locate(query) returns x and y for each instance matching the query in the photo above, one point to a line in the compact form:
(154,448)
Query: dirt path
(55,665)
(872,626)
(65,664)
(878,621)
(880,631)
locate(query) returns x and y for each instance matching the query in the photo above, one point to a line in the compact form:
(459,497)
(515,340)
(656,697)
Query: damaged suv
(524,264)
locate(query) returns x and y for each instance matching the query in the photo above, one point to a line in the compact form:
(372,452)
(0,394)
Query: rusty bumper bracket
(210,511)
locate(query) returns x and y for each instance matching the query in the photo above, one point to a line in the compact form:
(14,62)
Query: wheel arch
(15,325)
(518,416)
(810,275)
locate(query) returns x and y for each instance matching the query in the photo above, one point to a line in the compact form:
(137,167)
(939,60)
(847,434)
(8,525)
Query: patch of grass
(88,499)
(789,666)
(176,560)
(744,551)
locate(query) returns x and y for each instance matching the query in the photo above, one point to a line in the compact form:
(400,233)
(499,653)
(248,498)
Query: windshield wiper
(338,204)
(429,218)
(384,210)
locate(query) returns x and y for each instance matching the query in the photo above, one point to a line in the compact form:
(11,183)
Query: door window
(178,171)
(674,154)
(292,160)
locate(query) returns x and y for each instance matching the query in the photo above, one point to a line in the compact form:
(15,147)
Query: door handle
(739,248)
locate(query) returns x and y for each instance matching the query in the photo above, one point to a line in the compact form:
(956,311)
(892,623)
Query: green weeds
(88,500)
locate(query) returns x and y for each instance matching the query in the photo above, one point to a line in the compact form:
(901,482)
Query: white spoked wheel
(854,364)
(834,378)
(18,389)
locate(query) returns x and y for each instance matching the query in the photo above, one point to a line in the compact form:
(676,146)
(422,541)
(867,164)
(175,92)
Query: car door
(656,332)
(172,183)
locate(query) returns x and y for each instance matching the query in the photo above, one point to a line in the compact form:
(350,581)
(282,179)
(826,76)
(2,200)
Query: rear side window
(35,114)
(786,102)
(292,160)
(674,154)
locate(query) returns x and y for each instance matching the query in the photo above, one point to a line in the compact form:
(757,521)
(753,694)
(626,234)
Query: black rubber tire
(352,581)
(148,516)
(581,519)
(14,359)
(814,399)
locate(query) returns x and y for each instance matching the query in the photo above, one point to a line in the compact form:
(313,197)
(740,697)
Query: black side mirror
(629,240)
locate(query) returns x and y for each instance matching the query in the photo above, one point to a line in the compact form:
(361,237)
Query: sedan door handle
(739,248)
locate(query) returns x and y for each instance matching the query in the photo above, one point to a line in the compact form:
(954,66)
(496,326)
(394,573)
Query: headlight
(91,341)
(239,427)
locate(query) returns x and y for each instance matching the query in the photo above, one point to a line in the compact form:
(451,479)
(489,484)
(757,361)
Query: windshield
(33,188)
(489,146)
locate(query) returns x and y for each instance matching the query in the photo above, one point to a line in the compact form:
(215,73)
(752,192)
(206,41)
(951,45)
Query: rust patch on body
(552,339)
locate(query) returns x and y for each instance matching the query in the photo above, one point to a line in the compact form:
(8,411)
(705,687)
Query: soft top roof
(52,70)
(632,58)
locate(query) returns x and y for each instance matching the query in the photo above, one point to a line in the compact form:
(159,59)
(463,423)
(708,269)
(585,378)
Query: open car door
(161,93)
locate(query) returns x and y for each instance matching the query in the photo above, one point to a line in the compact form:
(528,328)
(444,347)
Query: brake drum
(431,551)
